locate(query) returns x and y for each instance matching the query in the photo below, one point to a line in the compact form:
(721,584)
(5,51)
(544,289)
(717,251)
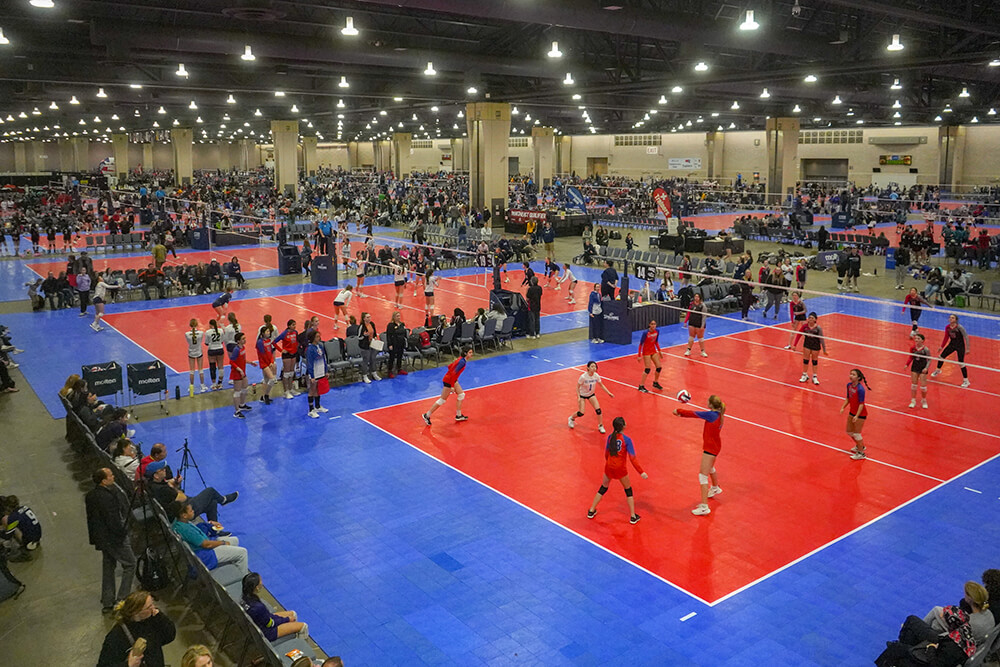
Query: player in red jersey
(711,446)
(858,412)
(649,354)
(265,359)
(238,374)
(288,342)
(451,386)
(617,448)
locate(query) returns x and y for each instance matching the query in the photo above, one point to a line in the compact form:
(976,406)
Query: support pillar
(543,144)
(564,154)
(382,150)
(715,146)
(782,156)
(40,156)
(285,137)
(488,128)
(180,142)
(310,155)
(81,157)
(951,145)
(401,153)
(459,147)
(353,159)
(119,143)
(21,157)
(147,156)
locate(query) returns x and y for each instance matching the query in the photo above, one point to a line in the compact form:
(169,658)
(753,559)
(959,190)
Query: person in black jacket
(137,616)
(395,334)
(534,299)
(107,509)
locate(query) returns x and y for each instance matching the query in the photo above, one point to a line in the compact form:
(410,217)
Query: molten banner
(662,201)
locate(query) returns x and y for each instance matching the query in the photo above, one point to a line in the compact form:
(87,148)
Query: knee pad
(270,382)
(597,411)
(579,414)
(628,492)
(288,375)
(461,396)
(805,362)
(602,490)
(659,368)
(645,371)
(913,387)
(702,479)
(815,362)
(439,402)
(856,436)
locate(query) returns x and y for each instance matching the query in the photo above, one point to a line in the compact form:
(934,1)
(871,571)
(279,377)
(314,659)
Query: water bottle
(177,392)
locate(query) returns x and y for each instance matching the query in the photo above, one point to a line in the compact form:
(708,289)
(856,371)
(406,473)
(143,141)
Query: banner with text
(575,200)
(662,200)
(689,163)
(522,217)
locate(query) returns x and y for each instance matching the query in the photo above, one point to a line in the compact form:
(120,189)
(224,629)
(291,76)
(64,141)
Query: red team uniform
(289,339)
(455,369)
(265,352)
(615,465)
(711,435)
(238,363)
(649,343)
(855,398)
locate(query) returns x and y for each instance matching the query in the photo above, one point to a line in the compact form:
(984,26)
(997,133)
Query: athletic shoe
(936,373)
(701,510)
(313,414)
(591,514)
(859,455)
(238,415)
(815,379)
(461,418)
(657,385)
(375,376)
(966,383)
(924,405)
(230,497)
(402,372)
(634,519)
(322,409)
(643,390)
(203,389)
(600,427)
(11,364)
(594,341)
(913,403)
(788,347)
(266,400)
(506,280)
(600,340)
(427,418)
(288,396)
(366,379)
(714,491)
(687,352)
(572,302)
(704,353)
(95,326)
(83,314)
(571,422)
(245,407)
(391,375)
(804,378)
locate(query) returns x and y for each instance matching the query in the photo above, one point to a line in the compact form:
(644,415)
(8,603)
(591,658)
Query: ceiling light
(513,112)
(279,93)
(73,100)
(397,99)
(101,93)
(3,38)
(859,122)
(975,119)
(735,105)
(83,122)
(180,70)
(97,119)
(964,93)
(894,45)
(161,110)
(54,106)
(295,109)
(715,114)
(192,105)
(896,85)
(176,122)
(836,100)
(198,120)
(230,99)
(340,104)
(248,53)
(937,118)
(850,112)
(796,109)
(472,90)
(461,114)
(947,108)
(897,115)
(349,30)
(383,112)
(430,71)
(577,96)
(257,113)
(732,126)
(568,80)
(810,78)
(36,112)
(42,4)
(764,94)
(137,114)
(343,82)
(662,100)
(554,52)
(701,67)
(749,23)
(993,63)
(399,125)
(897,123)
(991,112)
(897,105)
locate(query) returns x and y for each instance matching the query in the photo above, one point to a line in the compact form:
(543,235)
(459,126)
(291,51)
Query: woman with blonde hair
(711,446)
(137,618)
(197,655)
(68,387)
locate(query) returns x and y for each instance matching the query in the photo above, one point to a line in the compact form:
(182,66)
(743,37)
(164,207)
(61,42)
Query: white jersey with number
(229,334)
(215,339)
(344,297)
(587,384)
(194,339)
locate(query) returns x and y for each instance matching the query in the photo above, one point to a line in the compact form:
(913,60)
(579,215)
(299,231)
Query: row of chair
(108,242)
(656,258)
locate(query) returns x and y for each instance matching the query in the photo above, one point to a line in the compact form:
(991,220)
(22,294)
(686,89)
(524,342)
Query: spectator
(853,270)
(158,452)
(212,552)
(207,502)
(366,332)
(609,280)
(305,256)
(20,528)
(233,270)
(534,298)
(273,625)
(952,648)
(395,333)
(50,288)
(151,277)
(902,258)
(115,428)
(137,616)
(549,239)
(125,456)
(197,655)
(991,582)
(596,310)
(159,253)
(107,509)
(976,604)
(956,283)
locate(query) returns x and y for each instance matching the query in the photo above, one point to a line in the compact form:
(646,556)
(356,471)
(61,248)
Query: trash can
(289,260)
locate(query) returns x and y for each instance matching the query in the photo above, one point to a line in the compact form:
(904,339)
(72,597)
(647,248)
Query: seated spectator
(480,319)
(115,428)
(158,452)
(125,456)
(166,493)
(50,289)
(213,552)
(497,312)
(68,386)
(991,582)
(197,655)
(137,617)
(152,277)
(975,603)
(273,625)
(66,291)
(951,648)
(215,276)
(20,527)
(233,270)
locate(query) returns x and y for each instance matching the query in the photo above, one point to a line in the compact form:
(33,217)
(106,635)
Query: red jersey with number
(855,399)
(455,369)
(649,343)
(238,363)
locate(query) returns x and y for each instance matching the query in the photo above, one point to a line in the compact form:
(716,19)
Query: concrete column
(951,145)
(285,137)
(119,142)
(180,142)
(41,156)
(401,153)
(488,128)
(81,156)
(21,157)
(459,147)
(382,151)
(147,156)
(310,155)
(782,155)
(353,160)
(65,152)
(715,147)
(564,154)
(543,143)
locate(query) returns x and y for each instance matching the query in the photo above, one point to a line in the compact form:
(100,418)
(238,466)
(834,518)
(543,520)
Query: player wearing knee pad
(858,412)
(586,391)
(649,355)
(451,386)
(711,447)
(618,451)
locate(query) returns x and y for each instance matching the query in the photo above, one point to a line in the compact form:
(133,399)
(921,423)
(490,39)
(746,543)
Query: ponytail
(861,376)
(614,441)
(214,325)
(715,403)
(194,329)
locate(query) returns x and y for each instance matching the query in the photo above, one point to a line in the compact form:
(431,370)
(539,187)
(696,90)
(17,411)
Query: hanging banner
(689,163)
(575,200)
(662,201)
(905,160)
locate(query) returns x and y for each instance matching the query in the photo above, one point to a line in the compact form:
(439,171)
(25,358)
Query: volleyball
(683,396)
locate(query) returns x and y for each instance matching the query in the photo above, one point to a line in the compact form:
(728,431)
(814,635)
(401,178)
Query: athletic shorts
(861,417)
(587,397)
(447,385)
(800,318)
(810,344)
(705,451)
(286,355)
(98,300)
(429,295)
(215,353)
(190,357)
(399,283)
(339,303)
(919,368)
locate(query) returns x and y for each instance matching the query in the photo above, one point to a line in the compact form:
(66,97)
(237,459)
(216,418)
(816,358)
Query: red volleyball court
(160,331)
(789,485)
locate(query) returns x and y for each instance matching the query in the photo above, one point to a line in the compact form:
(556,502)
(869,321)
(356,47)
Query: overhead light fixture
(577,96)
(161,110)
(964,93)
(279,93)
(764,94)
(22,115)
(735,105)
(554,52)
(198,120)
(73,100)
(796,109)
(3,38)
(42,4)
(294,109)
(676,90)
(226,118)
(732,126)
(897,115)
(513,112)
(114,116)
(947,108)
(430,71)
(101,93)
(568,81)
(257,113)
(894,44)
(748,22)
(434,109)
(248,53)
(993,63)
(938,119)
(349,30)
(897,105)
(460,114)
(859,121)
(180,70)
(340,104)
(343,83)
(176,122)
(192,105)
(991,112)
(36,112)
(662,100)
(836,100)
(896,85)
(472,90)
(54,106)
(810,78)
(230,99)
(715,114)
(701,67)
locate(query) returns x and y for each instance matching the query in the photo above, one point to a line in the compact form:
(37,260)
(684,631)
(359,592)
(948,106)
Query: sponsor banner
(688,163)
(905,160)
(523,216)
(575,200)
(147,378)
(662,200)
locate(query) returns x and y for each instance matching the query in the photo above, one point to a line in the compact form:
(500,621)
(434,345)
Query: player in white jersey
(196,356)
(340,304)
(586,388)
(215,340)
(567,275)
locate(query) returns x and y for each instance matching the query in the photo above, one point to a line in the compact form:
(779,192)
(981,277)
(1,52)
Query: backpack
(150,571)
(976,287)
(425,339)
(413,342)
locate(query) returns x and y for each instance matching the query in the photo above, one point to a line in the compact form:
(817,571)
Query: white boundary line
(129,339)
